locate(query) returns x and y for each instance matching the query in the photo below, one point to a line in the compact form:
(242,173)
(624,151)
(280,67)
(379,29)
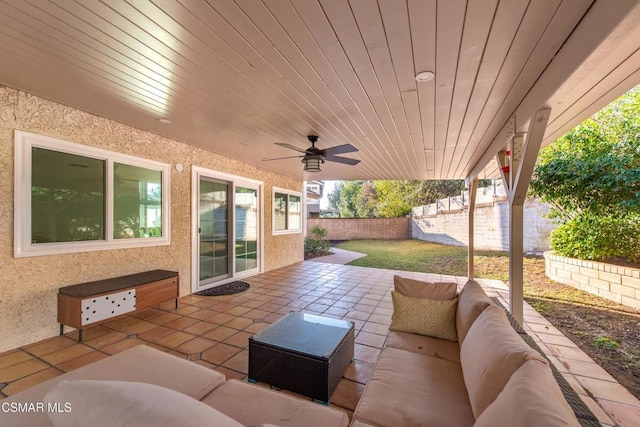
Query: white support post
(473,189)
(517,192)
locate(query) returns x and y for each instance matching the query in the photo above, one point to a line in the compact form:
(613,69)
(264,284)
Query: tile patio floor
(213,332)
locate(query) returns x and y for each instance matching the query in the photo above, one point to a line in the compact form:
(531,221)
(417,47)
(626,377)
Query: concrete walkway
(339,256)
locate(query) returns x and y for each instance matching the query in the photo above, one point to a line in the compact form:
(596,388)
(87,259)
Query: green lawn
(417,255)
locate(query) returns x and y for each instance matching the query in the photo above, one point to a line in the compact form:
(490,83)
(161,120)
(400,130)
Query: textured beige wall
(29,285)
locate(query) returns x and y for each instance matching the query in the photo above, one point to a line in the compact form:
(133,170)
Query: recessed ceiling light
(424,76)
(165,121)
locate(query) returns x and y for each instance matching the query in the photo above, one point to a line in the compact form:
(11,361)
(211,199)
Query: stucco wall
(29,285)
(491,227)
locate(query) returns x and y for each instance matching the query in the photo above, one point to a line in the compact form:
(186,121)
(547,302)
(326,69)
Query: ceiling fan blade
(340,149)
(292,147)
(281,158)
(345,160)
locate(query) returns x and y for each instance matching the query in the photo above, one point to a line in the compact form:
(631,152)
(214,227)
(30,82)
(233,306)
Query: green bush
(598,238)
(316,244)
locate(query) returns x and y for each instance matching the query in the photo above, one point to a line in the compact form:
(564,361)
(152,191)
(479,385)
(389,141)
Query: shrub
(598,237)
(316,244)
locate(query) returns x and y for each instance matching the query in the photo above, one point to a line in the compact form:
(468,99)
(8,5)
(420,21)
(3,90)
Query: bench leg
(79,335)
(61,329)
(176,303)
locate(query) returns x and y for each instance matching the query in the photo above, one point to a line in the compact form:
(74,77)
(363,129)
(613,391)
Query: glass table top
(305,333)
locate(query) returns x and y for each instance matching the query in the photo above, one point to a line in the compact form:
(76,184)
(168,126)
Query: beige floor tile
(155,333)
(106,340)
(241,339)
(366,353)
(256,327)
(186,310)
(89,333)
(221,318)
(67,354)
(13,357)
(165,318)
(196,345)
(50,345)
(199,328)
(122,346)
(30,381)
(372,340)
(175,339)
(347,394)
(239,323)
(375,328)
(230,374)
(21,370)
(359,371)
(238,311)
(239,362)
(219,353)
(624,415)
(181,323)
(203,314)
(220,333)
(147,314)
(81,361)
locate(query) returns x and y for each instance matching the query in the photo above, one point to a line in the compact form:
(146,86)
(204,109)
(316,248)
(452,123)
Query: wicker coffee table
(303,353)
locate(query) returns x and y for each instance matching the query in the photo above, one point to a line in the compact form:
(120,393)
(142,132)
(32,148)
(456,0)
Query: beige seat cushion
(490,354)
(408,389)
(253,405)
(126,403)
(419,289)
(471,302)
(424,316)
(531,398)
(428,346)
(139,363)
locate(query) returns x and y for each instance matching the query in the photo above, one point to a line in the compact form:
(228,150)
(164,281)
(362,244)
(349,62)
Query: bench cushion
(253,405)
(408,389)
(490,355)
(139,363)
(428,346)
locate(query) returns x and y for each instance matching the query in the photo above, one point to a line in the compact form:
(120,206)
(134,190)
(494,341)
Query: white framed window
(75,198)
(287,211)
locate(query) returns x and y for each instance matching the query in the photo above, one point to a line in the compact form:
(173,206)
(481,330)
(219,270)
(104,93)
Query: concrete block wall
(491,226)
(615,283)
(363,228)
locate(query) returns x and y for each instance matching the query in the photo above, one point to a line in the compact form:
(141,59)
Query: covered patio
(213,332)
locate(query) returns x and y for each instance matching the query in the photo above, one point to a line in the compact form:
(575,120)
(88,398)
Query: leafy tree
(591,178)
(348,199)
(334,196)
(366,201)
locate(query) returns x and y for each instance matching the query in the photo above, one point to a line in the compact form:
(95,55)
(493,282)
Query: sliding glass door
(228,229)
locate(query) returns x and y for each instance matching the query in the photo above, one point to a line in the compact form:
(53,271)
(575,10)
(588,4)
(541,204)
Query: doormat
(226,289)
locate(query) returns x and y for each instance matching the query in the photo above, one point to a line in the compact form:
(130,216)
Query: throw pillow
(124,403)
(419,289)
(423,316)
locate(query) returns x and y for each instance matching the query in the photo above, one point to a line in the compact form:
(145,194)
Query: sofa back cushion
(419,289)
(531,398)
(471,303)
(490,354)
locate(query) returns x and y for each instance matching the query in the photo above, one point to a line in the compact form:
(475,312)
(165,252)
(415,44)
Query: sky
(328,188)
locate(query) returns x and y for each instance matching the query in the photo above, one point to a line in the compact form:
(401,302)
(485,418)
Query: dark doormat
(226,289)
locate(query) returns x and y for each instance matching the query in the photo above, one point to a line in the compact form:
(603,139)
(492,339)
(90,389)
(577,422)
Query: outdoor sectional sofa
(488,377)
(143,386)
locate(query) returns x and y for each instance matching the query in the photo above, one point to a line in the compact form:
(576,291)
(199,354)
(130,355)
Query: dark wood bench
(87,303)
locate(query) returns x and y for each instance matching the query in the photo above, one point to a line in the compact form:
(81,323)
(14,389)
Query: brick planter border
(613,282)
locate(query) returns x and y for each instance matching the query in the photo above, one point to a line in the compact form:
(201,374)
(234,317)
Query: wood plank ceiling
(235,77)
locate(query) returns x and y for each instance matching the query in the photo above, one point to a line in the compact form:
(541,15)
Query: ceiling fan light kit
(312,163)
(313,157)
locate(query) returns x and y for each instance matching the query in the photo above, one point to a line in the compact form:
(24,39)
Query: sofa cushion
(408,389)
(252,405)
(471,302)
(490,354)
(424,316)
(428,346)
(140,363)
(126,403)
(419,289)
(531,398)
